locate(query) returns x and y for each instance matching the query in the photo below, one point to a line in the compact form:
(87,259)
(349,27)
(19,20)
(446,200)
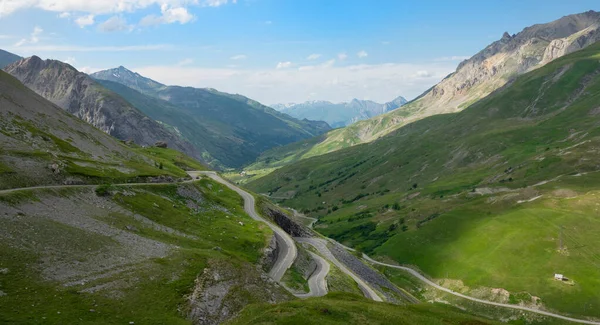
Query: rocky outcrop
(508,57)
(288,225)
(270,255)
(223,290)
(81,96)
(575,42)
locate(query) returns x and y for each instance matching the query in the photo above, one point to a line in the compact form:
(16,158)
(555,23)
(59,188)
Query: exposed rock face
(477,77)
(510,56)
(223,290)
(288,225)
(270,255)
(81,96)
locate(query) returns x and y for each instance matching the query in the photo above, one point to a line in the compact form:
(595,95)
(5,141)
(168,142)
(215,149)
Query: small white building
(559,277)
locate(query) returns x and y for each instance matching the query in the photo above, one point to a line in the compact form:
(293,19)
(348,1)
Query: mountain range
(480,195)
(492,68)
(7,58)
(203,123)
(339,114)
(229,130)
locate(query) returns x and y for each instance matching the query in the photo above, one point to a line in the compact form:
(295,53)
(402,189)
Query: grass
(345,308)
(483,250)
(294,280)
(159,285)
(442,193)
(338,281)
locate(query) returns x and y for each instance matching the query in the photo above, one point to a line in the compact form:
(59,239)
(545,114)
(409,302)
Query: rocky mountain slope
(81,96)
(41,144)
(475,78)
(7,58)
(340,114)
(499,195)
(171,253)
(230,130)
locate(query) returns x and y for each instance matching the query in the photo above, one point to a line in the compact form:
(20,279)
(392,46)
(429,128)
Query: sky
(274,51)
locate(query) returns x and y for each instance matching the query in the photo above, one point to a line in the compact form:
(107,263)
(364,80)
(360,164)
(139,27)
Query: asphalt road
(321,246)
(317,283)
(287,248)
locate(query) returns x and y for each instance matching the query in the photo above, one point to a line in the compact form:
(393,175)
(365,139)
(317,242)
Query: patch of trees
(360,215)
(356,198)
(423,221)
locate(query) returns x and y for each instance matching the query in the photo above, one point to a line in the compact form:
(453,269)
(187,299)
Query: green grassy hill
(344,308)
(450,193)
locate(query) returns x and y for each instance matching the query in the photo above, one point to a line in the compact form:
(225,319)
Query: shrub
(104,189)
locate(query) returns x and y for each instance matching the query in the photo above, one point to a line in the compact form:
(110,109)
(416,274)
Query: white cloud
(238,57)
(342,56)
(185,62)
(90,70)
(284,65)
(313,56)
(85,21)
(335,83)
(114,24)
(329,63)
(99,7)
(216,3)
(422,74)
(362,54)
(451,58)
(33,38)
(76,48)
(169,15)
(70,60)
(64,15)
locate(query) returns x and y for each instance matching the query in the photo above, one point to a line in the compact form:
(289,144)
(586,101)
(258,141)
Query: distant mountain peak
(338,114)
(128,78)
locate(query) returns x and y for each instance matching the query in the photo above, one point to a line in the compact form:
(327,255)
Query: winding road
(317,283)
(287,248)
(321,246)
(288,252)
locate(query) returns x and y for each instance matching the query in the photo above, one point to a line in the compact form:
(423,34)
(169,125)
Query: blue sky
(273,50)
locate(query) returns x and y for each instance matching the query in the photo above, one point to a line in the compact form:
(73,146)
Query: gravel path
(491,303)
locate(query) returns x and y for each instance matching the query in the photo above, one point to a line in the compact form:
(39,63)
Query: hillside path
(491,303)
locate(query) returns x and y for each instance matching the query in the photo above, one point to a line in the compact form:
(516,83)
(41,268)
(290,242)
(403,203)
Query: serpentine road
(321,246)
(285,243)
(287,248)
(288,253)
(316,282)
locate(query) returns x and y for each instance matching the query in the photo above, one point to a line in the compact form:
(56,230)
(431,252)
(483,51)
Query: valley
(143,195)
